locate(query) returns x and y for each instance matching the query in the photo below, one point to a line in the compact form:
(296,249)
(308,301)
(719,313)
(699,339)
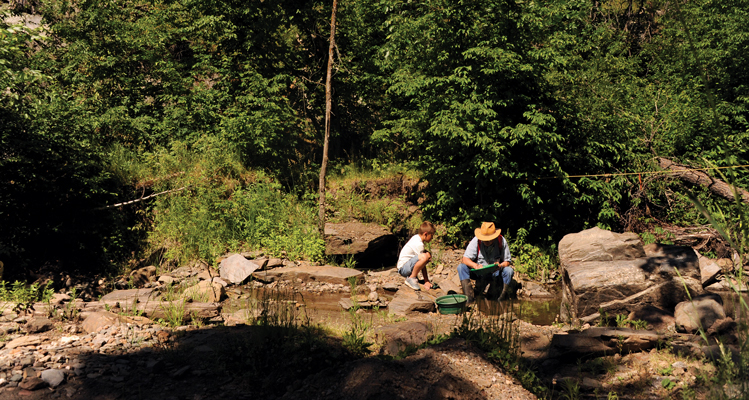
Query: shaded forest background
(497,104)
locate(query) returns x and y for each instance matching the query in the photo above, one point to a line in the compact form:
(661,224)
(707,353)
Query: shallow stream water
(325,306)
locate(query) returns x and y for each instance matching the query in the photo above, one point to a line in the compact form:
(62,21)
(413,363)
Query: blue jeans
(466,273)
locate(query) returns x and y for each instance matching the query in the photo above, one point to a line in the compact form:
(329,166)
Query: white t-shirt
(413,248)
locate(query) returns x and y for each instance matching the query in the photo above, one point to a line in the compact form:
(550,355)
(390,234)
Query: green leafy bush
(216,205)
(23,296)
(534,261)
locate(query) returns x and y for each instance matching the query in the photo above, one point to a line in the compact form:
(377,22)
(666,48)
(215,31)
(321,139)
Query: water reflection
(325,305)
(537,312)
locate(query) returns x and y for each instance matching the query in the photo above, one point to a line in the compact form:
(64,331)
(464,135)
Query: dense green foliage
(218,205)
(499,104)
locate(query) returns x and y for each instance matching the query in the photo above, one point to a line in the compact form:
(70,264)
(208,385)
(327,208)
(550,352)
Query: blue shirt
(489,254)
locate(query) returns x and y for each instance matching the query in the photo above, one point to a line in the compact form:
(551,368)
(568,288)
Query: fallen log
(151,309)
(599,342)
(716,186)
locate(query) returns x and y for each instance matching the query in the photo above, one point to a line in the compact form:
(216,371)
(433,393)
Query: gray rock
(140,277)
(658,320)
(532,290)
(220,281)
(709,271)
(723,326)
(53,377)
(701,312)
(658,381)
(183,272)
(38,324)
(96,321)
(32,384)
(679,367)
(596,244)
(236,269)
(324,274)
(166,280)
(8,328)
(23,341)
(180,372)
(590,384)
(59,298)
(274,263)
(206,292)
(599,342)
(126,298)
(346,303)
(407,300)
(396,337)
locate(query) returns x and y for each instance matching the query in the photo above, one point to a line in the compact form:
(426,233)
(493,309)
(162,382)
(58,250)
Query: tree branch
(142,198)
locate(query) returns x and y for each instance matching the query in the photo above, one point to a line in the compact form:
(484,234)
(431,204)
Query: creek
(324,306)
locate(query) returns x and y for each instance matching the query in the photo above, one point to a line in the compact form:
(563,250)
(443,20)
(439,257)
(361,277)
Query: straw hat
(487,231)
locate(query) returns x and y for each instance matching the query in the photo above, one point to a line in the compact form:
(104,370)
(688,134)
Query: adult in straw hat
(486,248)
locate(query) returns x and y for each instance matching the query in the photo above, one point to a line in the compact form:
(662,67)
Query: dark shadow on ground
(250,362)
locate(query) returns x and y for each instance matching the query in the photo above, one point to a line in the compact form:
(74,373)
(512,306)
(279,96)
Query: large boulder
(612,272)
(370,244)
(597,244)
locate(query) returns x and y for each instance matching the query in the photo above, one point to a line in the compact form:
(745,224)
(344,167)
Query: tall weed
(22,296)
(217,205)
(733,368)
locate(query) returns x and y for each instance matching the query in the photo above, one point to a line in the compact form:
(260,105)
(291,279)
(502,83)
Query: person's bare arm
(470,263)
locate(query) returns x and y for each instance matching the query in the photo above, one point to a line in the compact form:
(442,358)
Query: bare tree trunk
(328,104)
(716,186)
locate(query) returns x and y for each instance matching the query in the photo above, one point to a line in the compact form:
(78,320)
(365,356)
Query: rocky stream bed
(199,333)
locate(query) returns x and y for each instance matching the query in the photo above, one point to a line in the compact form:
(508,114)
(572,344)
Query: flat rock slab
(347,304)
(128,297)
(236,269)
(395,338)
(354,238)
(598,342)
(407,300)
(23,341)
(95,321)
(324,273)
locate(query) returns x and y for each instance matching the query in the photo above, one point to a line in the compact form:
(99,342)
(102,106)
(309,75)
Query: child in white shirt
(413,258)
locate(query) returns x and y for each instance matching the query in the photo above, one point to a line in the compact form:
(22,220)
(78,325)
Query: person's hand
(427,285)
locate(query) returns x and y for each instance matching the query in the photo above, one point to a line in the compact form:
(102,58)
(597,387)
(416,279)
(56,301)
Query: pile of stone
(607,274)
